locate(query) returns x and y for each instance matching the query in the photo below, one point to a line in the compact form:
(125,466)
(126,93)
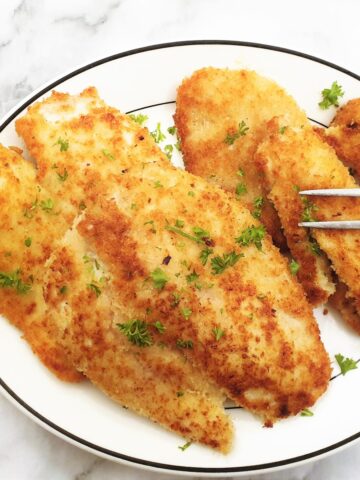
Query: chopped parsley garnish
(184,343)
(64,144)
(178,146)
(240,173)
(204,255)
(346,364)
(13,280)
(29,212)
(251,235)
(307,413)
(294,267)
(314,247)
(282,130)
(176,299)
(82,205)
(219,264)
(186,312)
(159,326)
(201,233)
(94,288)
(157,134)
(179,223)
(184,447)
(172,130)
(296,188)
(191,193)
(218,333)
(180,393)
(192,277)
(63,289)
(28,242)
(168,149)
(159,278)
(240,189)
(331,96)
(309,210)
(137,332)
(139,118)
(158,184)
(184,234)
(107,154)
(62,176)
(47,205)
(151,222)
(258,204)
(231,137)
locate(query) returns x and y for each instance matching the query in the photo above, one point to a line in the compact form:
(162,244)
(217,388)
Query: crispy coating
(27,236)
(343,134)
(301,158)
(270,358)
(210,105)
(341,301)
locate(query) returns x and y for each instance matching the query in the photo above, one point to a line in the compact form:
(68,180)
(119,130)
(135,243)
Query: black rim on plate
(105,451)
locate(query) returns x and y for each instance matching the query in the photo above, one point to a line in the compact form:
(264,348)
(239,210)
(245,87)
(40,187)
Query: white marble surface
(42,38)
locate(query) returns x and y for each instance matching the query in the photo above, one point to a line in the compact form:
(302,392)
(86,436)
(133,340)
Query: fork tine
(340,225)
(333,192)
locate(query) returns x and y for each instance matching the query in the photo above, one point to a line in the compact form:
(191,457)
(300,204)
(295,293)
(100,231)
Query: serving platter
(145,81)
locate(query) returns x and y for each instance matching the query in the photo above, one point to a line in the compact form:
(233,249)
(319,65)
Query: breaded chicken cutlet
(220,117)
(299,159)
(181,253)
(29,224)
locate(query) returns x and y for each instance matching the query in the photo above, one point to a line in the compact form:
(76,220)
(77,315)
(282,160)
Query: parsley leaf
(47,205)
(307,413)
(168,149)
(139,118)
(282,130)
(64,144)
(240,173)
(258,204)
(172,130)
(309,209)
(201,233)
(346,364)
(204,255)
(240,189)
(94,288)
(331,96)
(159,326)
(184,234)
(107,154)
(251,235)
(179,223)
(157,134)
(192,277)
(241,131)
(136,332)
(186,312)
(218,333)
(184,343)
(158,184)
(184,447)
(294,267)
(314,247)
(159,278)
(13,280)
(219,264)
(63,176)
(28,242)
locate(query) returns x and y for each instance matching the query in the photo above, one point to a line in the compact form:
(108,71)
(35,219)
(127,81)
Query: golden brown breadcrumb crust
(210,105)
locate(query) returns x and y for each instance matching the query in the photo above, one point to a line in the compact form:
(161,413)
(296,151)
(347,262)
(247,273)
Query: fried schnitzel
(220,118)
(180,252)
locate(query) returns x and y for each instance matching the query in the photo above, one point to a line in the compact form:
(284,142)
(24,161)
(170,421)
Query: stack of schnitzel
(163,288)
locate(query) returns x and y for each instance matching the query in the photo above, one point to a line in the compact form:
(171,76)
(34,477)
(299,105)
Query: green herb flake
(309,210)
(64,144)
(137,332)
(159,278)
(330,96)
(47,205)
(240,189)
(240,173)
(82,205)
(204,255)
(176,297)
(252,235)
(346,364)
(180,393)
(184,343)
(63,289)
(158,184)
(94,288)
(258,204)
(184,447)
(107,154)
(62,176)
(172,130)
(186,312)
(191,193)
(168,149)
(13,280)
(241,131)
(307,413)
(218,333)
(179,224)
(159,326)
(157,134)
(294,267)
(29,212)
(220,264)
(184,234)
(282,130)
(28,242)
(192,277)
(201,233)
(139,118)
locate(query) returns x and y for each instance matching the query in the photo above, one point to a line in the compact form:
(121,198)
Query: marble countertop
(39,39)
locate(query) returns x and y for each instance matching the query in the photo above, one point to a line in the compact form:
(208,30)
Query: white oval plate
(146,80)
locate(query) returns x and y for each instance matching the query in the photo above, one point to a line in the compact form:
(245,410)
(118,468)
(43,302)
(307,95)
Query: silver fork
(333,192)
